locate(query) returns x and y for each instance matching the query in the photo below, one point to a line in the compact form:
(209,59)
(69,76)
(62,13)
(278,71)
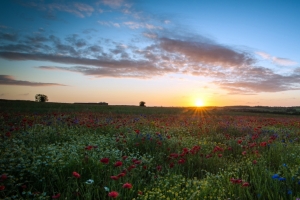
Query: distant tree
(142,103)
(41,98)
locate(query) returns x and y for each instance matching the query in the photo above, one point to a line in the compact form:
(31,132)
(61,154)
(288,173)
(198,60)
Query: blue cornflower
(285,165)
(290,192)
(275,176)
(282,179)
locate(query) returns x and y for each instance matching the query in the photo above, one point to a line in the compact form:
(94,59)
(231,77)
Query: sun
(199,103)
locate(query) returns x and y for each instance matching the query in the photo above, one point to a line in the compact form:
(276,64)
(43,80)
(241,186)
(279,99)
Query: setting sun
(199,103)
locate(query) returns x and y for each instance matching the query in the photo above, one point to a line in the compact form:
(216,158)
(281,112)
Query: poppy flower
(171,165)
(118,164)
(121,174)
(263,144)
(244,152)
(127,185)
(3,177)
(88,147)
(159,168)
(245,184)
(76,175)
(254,162)
(181,161)
(124,157)
(2,187)
(56,196)
(137,162)
(105,160)
(113,194)
(114,177)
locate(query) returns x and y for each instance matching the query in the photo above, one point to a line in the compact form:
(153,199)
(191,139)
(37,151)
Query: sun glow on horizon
(199,103)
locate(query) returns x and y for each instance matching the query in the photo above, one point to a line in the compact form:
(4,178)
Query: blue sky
(166,53)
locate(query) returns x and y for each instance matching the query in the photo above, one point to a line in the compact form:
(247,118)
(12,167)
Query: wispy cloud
(81,10)
(138,25)
(113,3)
(9,80)
(109,23)
(277,60)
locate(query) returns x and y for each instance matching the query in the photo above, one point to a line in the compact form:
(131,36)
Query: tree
(41,98)
(142,103)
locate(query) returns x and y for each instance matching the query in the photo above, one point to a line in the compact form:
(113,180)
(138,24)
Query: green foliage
(142,103)
(41,98)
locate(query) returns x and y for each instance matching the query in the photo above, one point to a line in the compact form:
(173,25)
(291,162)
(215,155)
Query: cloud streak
(277,60)
(10,80)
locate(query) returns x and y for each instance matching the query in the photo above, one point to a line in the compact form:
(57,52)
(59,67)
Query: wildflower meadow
(65,151)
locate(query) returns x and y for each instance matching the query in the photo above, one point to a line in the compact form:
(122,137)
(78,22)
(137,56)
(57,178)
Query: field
(66,151)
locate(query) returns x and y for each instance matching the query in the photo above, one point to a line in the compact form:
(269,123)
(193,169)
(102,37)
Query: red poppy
(220,155)
(144,167)
(171,165)
(159,168)
(239,141)
(254,162)
(244,152)
(121,175)
(127,185)
(131,167)
(263,144)
(137,162)
(181,161)
(2,187)
(105,160)
(124,157)
(76,175)
(3,177)
(173,155)
(114,177)
(88,147)
(113,194)
(56,196)
(118,164)
(245,184)
(232,180)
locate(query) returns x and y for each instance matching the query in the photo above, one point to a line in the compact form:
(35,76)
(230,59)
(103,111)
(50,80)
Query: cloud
(113,3)
(9,80)
(117,25)
(81,10)
(9,37)
(277,60)
(150,35)
(207,53)
(137,25)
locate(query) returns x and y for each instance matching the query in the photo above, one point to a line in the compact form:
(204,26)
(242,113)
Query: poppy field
(117,152)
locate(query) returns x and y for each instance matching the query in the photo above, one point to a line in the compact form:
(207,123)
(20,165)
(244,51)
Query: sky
(162,52)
